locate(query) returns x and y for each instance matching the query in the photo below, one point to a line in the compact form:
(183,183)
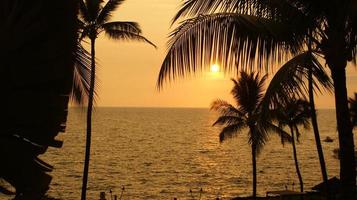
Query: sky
(128,71)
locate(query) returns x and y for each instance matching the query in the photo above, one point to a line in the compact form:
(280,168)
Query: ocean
(162,153)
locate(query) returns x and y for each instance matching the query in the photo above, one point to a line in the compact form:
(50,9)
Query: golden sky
(128,70)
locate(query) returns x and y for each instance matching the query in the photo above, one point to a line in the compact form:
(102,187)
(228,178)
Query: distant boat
(328,139)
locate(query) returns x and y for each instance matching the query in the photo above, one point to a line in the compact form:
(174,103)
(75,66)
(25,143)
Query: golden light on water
(215,68)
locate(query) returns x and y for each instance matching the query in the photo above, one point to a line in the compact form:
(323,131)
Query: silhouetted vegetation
(38,44)
(252,112)
(293,114)
(239,34)
(93,20)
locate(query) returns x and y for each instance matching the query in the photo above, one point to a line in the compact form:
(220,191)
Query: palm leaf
(285,137)
(228,120)
(278,9)
(126,35)
(123,26)
(93,9)
(258,136)
(107,10)
(231,131)
(81,76)
(83,11)
(248,91)
(196,7)
(226,109)
(290,80)
(233,40)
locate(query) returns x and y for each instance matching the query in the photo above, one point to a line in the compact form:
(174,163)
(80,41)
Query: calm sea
(162,153)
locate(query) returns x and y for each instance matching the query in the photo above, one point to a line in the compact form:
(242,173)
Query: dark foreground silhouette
(38,38)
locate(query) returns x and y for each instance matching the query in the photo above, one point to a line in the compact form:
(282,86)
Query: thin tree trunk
(296,160)
(345,135)
(254,163)
(316,131)
(89,122)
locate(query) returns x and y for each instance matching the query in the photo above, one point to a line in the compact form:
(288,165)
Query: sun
(214,68)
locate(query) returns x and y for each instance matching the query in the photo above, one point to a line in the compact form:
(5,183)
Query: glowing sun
(214,68)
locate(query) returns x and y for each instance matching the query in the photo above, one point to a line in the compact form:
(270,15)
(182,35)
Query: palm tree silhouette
(291,78)
(241,33)
(293,114)
(37,81)
(250,98)
(94,19)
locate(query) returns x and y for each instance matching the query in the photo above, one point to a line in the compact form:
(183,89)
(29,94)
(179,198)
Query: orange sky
(128,71)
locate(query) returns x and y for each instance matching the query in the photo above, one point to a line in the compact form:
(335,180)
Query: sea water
(162,153)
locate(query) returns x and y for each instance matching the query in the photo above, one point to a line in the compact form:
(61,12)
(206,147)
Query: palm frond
(196,7)
(234,40)
(230,131)
(290,80)
(93,9)
(228,120)
(258,136)
(107,10)
(248,91)
(280,10)
(285,137)
(83,11)
(123,26)
(83,30)
(226,109)
(294,113)
(126,35)
(191,8)
(81,76)
(353,33)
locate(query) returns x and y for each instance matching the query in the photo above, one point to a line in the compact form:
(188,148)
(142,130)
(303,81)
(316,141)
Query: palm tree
(37,70)
(292,77)
(244,32)
(249,113)
(293,114)
(94,19)
(353,109)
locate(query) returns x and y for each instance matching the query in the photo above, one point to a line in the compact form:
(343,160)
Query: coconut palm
(249,95)
(243,32)
(293,114)
(94,19)
(353,109)
(37,69)
(292,78)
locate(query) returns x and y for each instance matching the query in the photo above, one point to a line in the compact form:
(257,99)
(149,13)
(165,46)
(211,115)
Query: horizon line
(182,107)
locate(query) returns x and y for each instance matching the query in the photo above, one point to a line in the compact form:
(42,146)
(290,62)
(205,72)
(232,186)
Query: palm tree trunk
(296,160)
(254,163)
(316,131)
(345,135)
(89,122)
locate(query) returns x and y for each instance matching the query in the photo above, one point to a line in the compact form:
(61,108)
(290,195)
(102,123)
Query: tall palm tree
(292,79)
(38,47)
(249,95)
(293,114)
(353,109)
(94,19)
(244,32)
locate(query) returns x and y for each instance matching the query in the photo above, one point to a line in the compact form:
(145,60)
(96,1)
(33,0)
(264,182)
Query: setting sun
(214,68)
